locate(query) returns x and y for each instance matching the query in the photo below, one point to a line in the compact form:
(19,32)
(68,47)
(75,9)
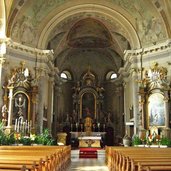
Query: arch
(99,9)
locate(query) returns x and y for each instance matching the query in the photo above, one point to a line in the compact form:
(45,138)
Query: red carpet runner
(88,152)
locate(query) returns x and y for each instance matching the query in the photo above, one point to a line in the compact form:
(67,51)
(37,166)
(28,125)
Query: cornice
(155,49)
(23,48)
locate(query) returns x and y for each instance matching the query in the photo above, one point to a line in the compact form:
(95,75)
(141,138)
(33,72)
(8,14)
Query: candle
(24,127)
(28,127)
(18,126)
(15,128)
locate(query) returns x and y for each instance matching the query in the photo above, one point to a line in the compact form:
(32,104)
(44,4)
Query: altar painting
(156,110)
(88,105)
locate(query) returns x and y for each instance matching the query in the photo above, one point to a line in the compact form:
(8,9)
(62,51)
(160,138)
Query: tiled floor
(87,164)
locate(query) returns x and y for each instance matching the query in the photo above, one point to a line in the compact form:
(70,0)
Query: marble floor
(87,164)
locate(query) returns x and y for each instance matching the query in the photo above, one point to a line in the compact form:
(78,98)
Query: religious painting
(88,105)
(156,110)
(20,106)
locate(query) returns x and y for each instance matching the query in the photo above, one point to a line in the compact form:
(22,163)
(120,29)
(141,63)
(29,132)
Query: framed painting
(88,105)
(156,110)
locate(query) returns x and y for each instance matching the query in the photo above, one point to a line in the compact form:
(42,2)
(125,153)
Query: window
(111,75)
(63,75)
(66,75)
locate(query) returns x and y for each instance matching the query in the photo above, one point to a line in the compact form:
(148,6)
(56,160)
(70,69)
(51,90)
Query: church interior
(91,72)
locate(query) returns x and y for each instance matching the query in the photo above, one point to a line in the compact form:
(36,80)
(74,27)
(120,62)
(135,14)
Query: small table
(89,141)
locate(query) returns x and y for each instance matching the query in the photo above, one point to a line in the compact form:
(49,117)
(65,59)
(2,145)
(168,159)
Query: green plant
(44,138)
(165,141)
(25,140)
(3,137)
(136,140)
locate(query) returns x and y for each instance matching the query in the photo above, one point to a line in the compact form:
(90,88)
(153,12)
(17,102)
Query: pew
(35,158)
(131,158)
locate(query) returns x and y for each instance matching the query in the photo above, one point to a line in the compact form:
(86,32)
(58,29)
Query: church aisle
(87,164)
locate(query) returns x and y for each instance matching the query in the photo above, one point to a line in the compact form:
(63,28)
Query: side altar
(92,140)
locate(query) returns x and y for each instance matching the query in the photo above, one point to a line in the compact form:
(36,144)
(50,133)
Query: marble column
(2,42)
(135,100)
(34,103)
(50,102)
(57,94)
(125,106)
(10,107)
(42,96)
(166,107)
(2,60)
(2,19)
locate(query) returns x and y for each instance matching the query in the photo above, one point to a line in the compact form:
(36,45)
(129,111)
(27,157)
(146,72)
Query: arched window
(66,75)
(111,75)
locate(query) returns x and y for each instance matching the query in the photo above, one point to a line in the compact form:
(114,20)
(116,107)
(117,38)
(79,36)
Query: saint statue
(4,114)
(88,122)
(20,102)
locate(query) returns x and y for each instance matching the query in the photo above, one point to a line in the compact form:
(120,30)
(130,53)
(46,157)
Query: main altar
(87,126)
(92,140)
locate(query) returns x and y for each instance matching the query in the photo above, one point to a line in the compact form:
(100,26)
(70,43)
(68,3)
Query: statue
(4,114)
(20,102)
(88,122)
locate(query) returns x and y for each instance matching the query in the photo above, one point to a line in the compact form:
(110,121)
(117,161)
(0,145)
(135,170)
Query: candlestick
(18,126)
(15,128)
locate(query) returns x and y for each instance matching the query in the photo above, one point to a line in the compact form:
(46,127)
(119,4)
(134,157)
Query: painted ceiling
(89,32)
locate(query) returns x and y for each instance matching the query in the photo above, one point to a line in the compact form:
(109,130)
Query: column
(10,107)
(125,107)
(135,100)
(57,94)
(42,96)
(50,102)
(2,60)
(2,20)
(2,42)
(166,107)
(34,103)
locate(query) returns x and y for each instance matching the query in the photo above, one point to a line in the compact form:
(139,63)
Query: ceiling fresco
(89,32)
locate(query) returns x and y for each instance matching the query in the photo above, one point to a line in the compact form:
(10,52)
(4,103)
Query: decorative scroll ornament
(20,77)
(155,77)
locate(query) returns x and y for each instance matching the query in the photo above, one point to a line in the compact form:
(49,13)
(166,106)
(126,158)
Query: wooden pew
(123,159)
(46,157)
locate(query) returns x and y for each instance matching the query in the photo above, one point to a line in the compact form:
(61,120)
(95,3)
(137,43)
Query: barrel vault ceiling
(91,33)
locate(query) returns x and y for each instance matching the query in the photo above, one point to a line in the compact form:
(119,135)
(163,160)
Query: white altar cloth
(89,138)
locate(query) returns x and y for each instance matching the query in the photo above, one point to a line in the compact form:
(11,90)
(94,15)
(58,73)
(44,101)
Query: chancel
(84,78)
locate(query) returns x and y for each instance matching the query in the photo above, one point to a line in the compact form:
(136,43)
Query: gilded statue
(88,122)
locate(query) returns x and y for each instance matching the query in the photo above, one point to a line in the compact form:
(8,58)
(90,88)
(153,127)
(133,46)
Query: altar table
(89,141)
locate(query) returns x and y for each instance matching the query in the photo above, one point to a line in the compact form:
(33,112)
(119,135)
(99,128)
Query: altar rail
(34,158)
(139,159)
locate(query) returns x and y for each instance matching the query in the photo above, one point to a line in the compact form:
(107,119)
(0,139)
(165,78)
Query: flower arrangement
(19,138)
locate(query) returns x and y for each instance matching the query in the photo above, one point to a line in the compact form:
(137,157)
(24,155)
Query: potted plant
(136,140)
(44,138)
(25,140)
(165,141)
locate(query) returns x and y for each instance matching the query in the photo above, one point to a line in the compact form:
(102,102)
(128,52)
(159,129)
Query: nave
(88,164)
